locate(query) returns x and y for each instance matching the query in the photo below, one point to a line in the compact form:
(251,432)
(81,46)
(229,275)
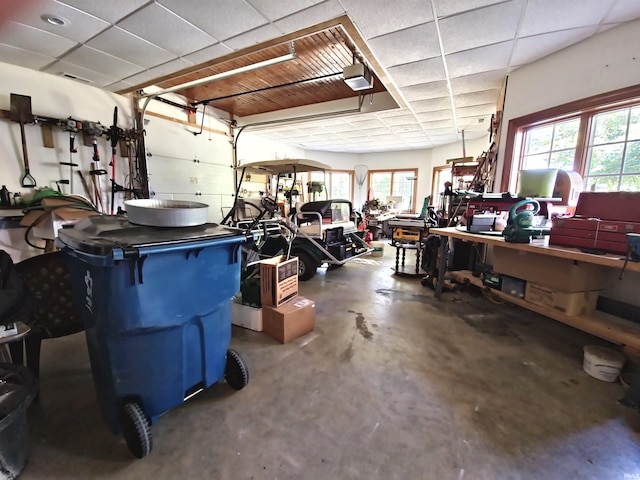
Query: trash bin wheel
(136,430)
(235,372)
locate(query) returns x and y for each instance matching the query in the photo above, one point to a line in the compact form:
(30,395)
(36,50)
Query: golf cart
(318,232)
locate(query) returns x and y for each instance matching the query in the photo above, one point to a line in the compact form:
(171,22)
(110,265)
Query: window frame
(329,175)
(584,109)
(393,172)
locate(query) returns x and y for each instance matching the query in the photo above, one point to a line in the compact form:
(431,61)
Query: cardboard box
(278,280)
(290,320)
(246,316)
(559,273)
(576,303)
(51,219)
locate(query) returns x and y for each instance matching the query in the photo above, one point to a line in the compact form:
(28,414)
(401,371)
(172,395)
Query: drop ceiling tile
(477,121)
(376,131)
(219,18)
(338,127)
(253,37)
(275,10)
(159,71)
(101,62)
(310,16)
(409,127)
(623,11)
(176,35)
(23,58)
(406,46)
(476,98)
(411,134)
(479,60)
(425,71)
(119,85)
(529,49)
(400,120)
(435,115)
(486,109)
(209,53)
(431,105)
(463,32)
(128,47)
(566,14)
(377,17)
(479,81)
(110,11)
(437,124)
(367,123)
(444,139)
(426,91)
(97,79)
(34,39)
(393,113)
(445,8)
(80,27)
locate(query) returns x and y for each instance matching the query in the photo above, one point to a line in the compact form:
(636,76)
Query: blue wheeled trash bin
(156,303)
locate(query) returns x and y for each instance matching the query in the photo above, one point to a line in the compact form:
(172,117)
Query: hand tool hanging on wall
(94,130)
(71,126)
(114,134)
(21,113)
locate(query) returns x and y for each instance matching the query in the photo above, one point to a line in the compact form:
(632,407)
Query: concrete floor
(392,384)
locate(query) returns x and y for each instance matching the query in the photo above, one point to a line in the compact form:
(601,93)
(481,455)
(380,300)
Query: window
(394,183)
(338,184)
(551,146)
(599,137)
(441,175)
(613,151)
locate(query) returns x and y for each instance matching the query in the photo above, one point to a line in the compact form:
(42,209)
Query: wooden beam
(184,122)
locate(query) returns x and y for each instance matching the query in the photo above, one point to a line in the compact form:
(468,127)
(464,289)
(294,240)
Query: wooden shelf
(608,327)
(541,247)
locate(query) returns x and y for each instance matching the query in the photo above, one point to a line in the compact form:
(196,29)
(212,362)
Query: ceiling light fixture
(236,71)
(54,20)
(357,77)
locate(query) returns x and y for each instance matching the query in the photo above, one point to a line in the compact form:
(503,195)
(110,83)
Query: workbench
(600,324)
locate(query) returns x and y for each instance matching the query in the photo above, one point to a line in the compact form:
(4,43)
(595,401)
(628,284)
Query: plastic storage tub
(156,303)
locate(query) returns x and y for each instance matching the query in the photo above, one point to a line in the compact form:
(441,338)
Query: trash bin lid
(17,388)
(100,235)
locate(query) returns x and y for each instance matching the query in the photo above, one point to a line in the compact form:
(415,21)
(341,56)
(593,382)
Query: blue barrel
(157,309)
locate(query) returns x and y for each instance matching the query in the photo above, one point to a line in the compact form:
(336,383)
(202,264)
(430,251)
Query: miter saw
(520,227)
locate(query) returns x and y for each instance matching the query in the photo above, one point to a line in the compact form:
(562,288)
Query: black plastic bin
(18,387)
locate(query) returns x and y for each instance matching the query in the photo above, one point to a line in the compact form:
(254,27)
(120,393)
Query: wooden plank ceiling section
(313,76)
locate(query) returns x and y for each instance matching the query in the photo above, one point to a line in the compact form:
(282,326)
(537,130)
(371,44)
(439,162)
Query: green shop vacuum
(520,227)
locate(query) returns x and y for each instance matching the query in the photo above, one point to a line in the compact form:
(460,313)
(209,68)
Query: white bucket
(603,363)
(378,249)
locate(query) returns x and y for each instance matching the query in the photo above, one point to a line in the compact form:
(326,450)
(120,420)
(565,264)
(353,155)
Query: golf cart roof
(286,165)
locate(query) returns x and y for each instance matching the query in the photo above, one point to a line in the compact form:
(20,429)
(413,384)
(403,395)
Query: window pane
(538,140)
(318,177)
(562,159)
(566,135)
(630,183)
(634,124)
(632,158)
(341,186)
(606,159)
(381,185)
(402,185)
(602,184)
(535,161)
(610,127)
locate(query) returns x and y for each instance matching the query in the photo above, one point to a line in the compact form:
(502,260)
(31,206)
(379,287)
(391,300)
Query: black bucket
(18,387)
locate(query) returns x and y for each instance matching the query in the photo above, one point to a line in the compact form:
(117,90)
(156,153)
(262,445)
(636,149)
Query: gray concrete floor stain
(455,389)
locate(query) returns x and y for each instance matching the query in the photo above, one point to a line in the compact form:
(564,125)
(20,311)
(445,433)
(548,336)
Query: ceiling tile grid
(122,43)
(176,34)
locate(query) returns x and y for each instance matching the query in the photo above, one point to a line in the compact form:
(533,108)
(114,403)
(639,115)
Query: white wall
(423,160)
(605,62)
